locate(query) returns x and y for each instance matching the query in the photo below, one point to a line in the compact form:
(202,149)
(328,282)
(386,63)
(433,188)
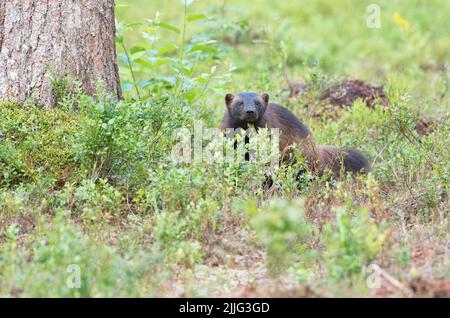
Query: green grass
(88,188)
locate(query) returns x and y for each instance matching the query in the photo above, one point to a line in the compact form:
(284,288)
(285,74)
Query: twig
(393,281)
(381,151)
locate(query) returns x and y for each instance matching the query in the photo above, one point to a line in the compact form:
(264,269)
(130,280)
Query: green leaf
(144,63)
(137,55)
(203,48)
(195,17)
(168,26)
(136,49)
(119,38)
(161,61)
(167,48)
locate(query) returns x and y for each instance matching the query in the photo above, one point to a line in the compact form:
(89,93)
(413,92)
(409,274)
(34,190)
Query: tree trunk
(45,38)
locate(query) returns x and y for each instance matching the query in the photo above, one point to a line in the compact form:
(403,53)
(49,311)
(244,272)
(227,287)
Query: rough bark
(42,38)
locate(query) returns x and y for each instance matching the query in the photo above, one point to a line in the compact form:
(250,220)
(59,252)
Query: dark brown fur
(245,108)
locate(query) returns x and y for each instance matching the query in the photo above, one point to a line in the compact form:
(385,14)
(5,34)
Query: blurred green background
(411,43)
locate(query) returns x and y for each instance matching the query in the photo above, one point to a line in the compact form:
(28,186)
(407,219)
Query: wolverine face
(247,107)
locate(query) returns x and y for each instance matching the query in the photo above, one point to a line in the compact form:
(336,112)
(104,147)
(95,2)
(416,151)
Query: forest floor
(92,204)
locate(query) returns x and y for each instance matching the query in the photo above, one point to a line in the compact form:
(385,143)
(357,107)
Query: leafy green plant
(351,243)
(34,143)
(57,247)
(190,69)
(283,229)
(171,236)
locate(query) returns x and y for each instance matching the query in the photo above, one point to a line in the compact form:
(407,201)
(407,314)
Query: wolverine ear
(228,100)
(265,98)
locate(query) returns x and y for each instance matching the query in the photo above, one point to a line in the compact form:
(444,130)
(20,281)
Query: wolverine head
(247,107)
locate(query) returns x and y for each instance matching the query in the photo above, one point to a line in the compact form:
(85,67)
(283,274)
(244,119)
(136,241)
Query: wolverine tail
(341,160)
(354,160)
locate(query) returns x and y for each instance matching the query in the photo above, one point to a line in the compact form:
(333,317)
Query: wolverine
(253,108)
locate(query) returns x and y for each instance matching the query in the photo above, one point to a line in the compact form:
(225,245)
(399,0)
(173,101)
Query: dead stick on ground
(394,282)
